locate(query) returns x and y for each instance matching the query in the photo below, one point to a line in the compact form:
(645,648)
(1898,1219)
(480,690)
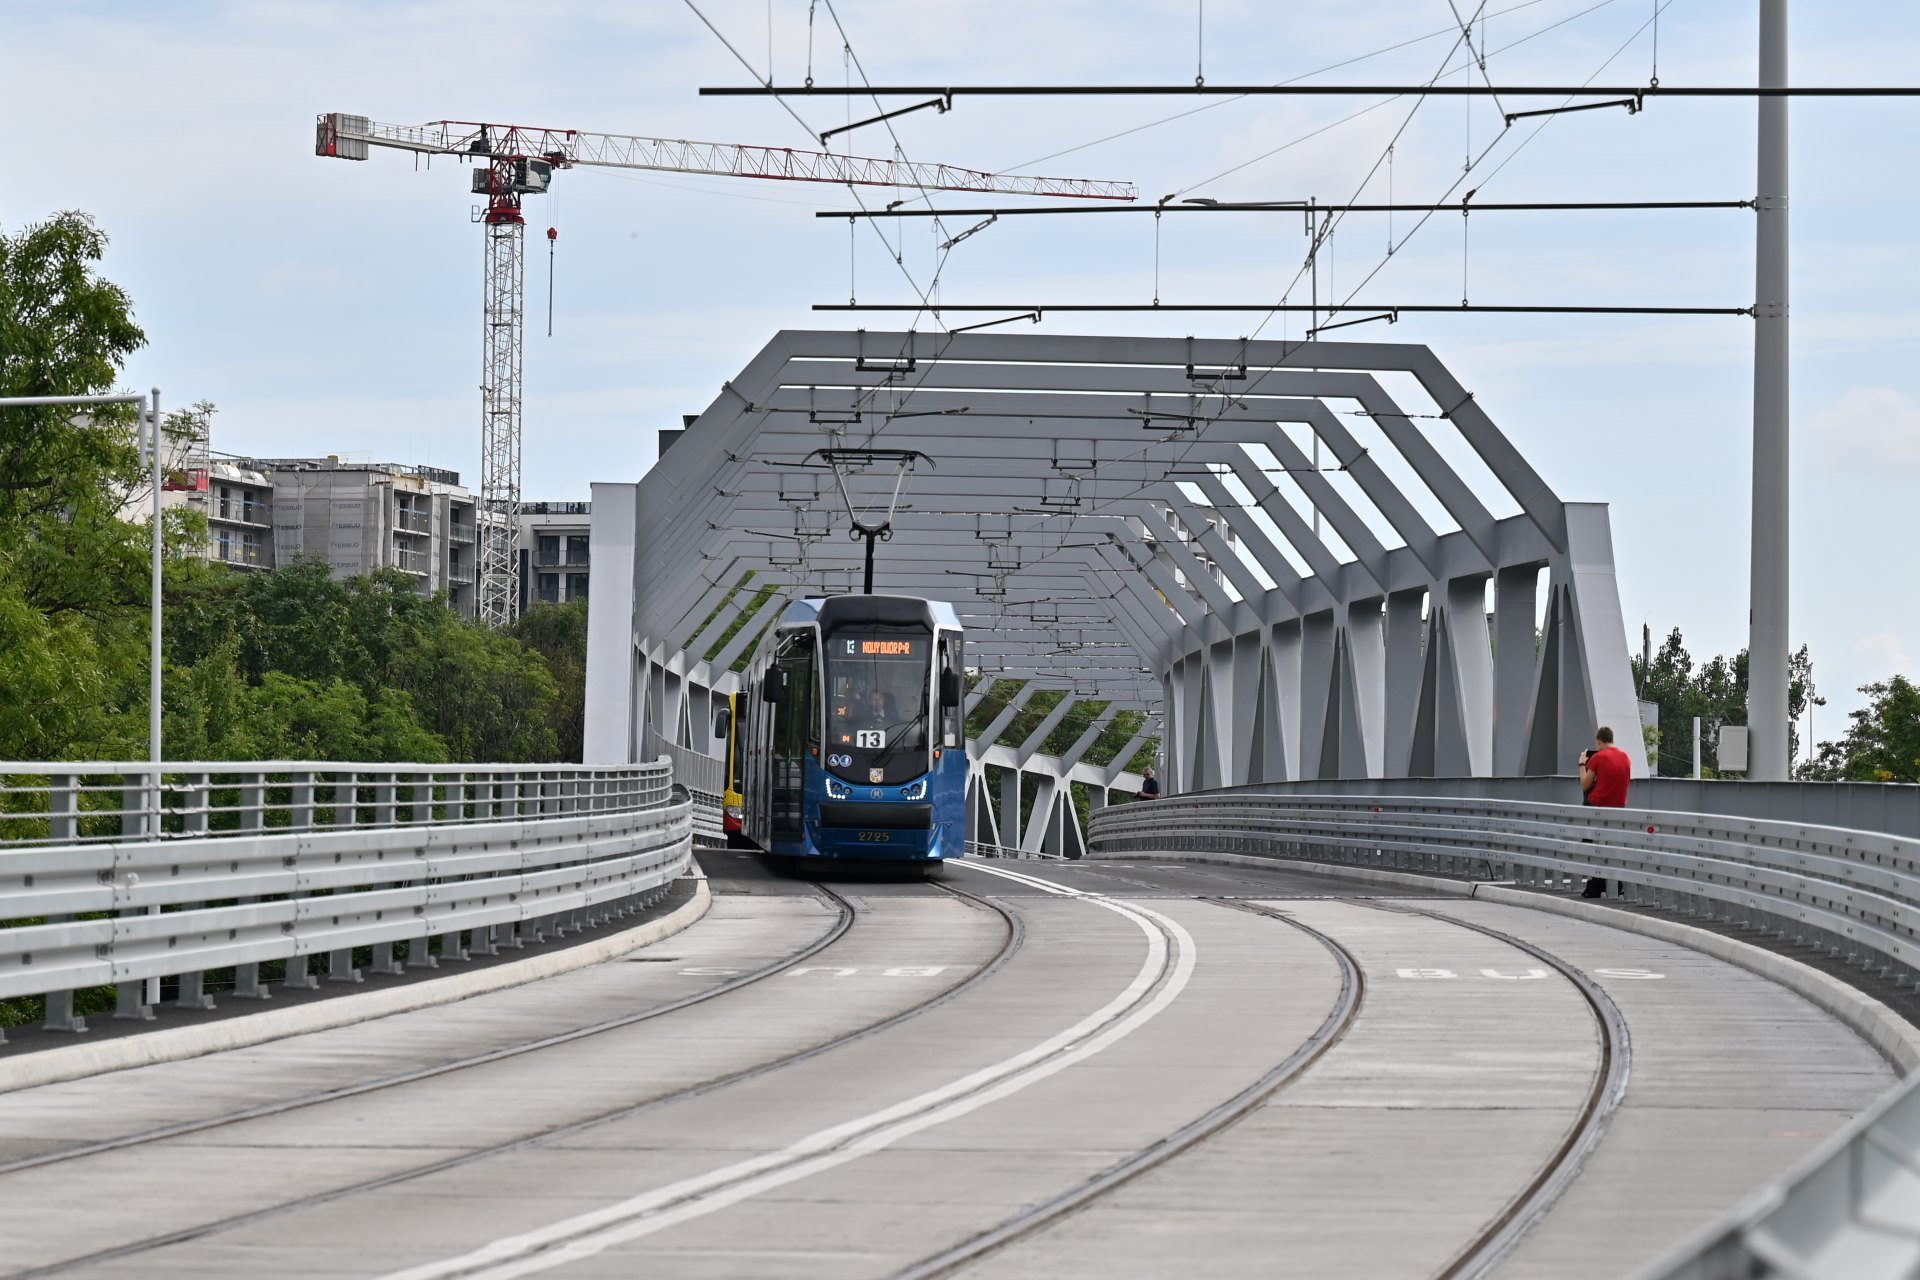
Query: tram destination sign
(882,647)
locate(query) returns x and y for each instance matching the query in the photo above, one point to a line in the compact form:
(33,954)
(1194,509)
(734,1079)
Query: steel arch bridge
(1289,559)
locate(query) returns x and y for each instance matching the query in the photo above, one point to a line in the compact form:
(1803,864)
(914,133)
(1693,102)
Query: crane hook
(553,237)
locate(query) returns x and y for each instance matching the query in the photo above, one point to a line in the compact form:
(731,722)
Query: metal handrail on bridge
(1853,1208)
(244,864)
(703,775)
(99,802)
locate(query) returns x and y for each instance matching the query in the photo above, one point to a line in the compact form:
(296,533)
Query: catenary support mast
(1767,622)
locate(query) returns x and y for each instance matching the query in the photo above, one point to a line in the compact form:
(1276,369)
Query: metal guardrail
(703,775)
(84,803)
(315,859)
(981,849)
(1852,1211)
(1867,806)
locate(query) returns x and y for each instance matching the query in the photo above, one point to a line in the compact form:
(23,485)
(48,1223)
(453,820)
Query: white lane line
(588,1234)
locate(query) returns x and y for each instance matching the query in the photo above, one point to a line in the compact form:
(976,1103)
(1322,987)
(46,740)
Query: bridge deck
(1097,1027)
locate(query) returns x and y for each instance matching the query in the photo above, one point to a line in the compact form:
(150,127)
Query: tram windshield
(878,697)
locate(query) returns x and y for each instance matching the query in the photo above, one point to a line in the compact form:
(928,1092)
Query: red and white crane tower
(512,161)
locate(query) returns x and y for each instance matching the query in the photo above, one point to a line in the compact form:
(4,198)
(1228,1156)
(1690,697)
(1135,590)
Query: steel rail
(842,923)
(1346,1007)
(1168,966)
(1495,1240)
(1012,942)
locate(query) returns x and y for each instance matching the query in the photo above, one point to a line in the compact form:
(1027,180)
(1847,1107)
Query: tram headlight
(915,790)
(837,790)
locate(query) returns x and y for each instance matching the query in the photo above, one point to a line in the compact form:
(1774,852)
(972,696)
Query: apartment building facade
(552,542)
(361,517)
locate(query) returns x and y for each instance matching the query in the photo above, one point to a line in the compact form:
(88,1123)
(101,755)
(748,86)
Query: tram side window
(738,731)
(953,720)
(795,728)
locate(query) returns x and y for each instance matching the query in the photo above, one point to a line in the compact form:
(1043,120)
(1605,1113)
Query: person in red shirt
(1605,773)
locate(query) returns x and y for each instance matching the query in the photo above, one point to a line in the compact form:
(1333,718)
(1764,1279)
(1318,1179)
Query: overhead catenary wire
(1437,308)
(1200,44)
(1518,148)
(1478,55)
(1270,311)
(938,213)
(1254,385)
(1305,75)
(810,131)
(1312,257)
(1285,307)
(1294,207)
(1513,44)
(1330,90)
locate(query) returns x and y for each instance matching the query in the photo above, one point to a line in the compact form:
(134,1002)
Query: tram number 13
(876,837)
(870,739)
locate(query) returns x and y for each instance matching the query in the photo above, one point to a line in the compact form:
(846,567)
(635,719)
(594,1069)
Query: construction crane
(514,161)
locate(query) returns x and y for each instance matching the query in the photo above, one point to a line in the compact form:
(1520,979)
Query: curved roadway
(1022,1069)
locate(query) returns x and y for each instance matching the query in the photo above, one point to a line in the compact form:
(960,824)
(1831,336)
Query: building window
(576,548)
(250,547)
(549,548)
(576,586)
(226,503)
(549,588)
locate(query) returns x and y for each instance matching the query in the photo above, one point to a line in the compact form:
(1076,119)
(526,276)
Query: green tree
(558,633)
(1716,691)
(1882,744)
(485,694)
(72,642)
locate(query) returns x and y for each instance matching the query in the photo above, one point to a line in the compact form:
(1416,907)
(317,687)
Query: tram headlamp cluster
(837,790)
(915,790)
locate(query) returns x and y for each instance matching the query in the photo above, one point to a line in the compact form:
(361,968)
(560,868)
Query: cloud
(1876,427)
(1883,651)
(299,280)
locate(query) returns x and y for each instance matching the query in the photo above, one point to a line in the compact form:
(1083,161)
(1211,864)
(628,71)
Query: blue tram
(850,737)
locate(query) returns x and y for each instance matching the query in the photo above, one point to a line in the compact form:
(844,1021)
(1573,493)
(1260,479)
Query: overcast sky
(334,308)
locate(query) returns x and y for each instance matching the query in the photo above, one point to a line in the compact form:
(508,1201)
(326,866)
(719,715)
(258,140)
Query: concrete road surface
(968,1052)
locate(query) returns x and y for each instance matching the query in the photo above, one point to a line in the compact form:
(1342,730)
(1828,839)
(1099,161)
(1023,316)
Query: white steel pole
(153,648)
(153,659)
(1767,621)
(1696,748)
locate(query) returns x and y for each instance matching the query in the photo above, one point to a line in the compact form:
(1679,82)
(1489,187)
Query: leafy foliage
(1883,742)
(288,664)
(364,668)
(1716,691)
(72,573)
(558,633)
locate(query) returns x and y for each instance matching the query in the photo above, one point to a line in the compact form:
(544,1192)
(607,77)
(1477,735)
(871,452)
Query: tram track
(1039,1217)
(843,921)
(1014,938)
(1497,1238)
(1163,975)
(1474,1259)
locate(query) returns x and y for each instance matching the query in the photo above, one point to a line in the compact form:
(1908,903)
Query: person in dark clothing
(1149,785)
(1605,774)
